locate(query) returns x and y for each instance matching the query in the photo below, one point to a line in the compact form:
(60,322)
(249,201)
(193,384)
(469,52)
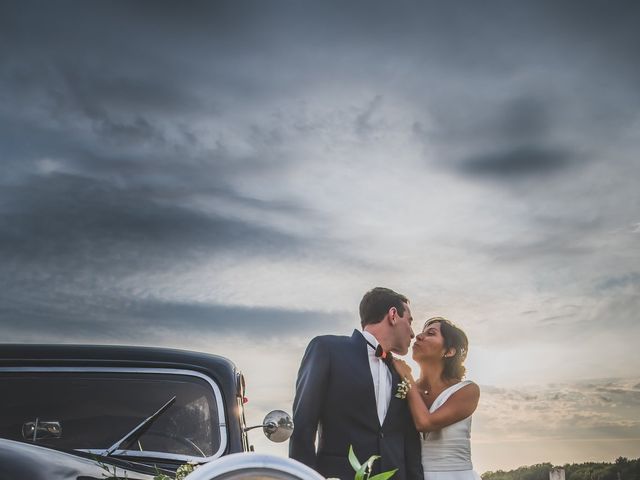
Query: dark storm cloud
(116,117)
(540,93)
(60,216)
(111,116)
(159,56)
(121,319)
(68,241)
(209,56)
(517,162)
(505,139)
(65,117)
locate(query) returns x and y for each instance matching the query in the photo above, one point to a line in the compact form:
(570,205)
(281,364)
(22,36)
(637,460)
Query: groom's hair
(376,303)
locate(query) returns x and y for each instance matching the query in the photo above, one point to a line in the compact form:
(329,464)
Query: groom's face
(403,331)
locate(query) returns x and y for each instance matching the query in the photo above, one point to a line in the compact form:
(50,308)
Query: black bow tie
(386,357)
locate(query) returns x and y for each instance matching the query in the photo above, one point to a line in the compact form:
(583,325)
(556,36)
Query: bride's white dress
(446,453)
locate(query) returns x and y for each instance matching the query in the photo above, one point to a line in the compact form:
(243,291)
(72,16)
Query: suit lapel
(362,373)
(394,403)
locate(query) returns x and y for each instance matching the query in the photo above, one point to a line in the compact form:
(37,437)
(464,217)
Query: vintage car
(94,412)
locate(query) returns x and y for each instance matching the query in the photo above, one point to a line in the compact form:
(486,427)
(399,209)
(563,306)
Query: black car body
(66,410)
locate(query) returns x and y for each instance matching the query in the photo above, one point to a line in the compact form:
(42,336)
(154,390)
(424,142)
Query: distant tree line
(621,469)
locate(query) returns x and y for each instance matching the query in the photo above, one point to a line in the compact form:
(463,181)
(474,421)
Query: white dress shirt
(381,377)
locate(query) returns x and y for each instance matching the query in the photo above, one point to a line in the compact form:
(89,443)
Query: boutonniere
(403,388)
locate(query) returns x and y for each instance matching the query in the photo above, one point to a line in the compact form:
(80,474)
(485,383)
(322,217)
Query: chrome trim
(170,371)
(256,465)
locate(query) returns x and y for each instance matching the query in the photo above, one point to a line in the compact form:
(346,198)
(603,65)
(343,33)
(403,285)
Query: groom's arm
(313,378)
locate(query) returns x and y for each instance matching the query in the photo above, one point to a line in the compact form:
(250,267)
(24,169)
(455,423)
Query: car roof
(113,356)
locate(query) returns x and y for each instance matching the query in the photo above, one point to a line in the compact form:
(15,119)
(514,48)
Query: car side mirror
(277,426)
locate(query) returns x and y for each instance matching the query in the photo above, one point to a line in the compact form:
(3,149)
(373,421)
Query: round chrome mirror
(277,426)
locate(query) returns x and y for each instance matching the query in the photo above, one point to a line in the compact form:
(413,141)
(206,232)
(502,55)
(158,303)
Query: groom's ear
(392,314)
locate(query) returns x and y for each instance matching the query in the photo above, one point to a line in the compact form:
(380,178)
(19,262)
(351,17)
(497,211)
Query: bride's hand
(402,368)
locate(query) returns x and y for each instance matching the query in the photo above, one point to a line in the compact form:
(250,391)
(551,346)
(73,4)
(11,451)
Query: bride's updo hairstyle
(455,338)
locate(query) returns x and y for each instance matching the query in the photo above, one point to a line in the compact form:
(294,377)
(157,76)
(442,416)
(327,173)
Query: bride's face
(429,343)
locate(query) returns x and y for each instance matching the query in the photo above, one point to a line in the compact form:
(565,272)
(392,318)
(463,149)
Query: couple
(349,392)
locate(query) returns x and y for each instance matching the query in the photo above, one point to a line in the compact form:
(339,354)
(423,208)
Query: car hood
(22,461)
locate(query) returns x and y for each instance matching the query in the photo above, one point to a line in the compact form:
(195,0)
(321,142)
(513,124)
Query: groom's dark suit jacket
(335,397)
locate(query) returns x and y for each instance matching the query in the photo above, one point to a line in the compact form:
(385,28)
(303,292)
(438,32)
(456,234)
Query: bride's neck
(431,377)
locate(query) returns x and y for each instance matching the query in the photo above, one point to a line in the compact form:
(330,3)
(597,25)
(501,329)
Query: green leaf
(366,466)
(353,460)
(363,470)
(384,475)
(360,473)
(369,463)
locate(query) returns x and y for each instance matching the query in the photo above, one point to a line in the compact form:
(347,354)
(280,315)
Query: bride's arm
(458,407)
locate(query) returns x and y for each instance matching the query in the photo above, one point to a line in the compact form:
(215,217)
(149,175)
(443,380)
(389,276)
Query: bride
(441,403)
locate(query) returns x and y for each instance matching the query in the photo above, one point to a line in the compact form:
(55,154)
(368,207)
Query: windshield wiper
(126,441)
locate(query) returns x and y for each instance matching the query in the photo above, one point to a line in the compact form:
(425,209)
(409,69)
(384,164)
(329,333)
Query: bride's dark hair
(454,338)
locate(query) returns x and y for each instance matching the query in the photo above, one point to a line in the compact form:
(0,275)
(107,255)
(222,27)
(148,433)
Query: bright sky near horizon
(232,176)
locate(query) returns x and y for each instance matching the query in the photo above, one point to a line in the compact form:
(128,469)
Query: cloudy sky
(232,176)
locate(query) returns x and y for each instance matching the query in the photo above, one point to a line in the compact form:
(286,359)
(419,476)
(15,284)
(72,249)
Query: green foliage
(181,472)
(534,472)
(621,469)
(363,470)
(111,475)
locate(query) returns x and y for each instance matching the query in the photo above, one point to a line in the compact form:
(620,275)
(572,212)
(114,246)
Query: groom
(346,390)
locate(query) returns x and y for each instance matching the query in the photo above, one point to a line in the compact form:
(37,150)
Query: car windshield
(94,410)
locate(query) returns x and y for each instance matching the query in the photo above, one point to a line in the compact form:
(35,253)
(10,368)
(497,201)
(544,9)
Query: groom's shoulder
(330,340)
